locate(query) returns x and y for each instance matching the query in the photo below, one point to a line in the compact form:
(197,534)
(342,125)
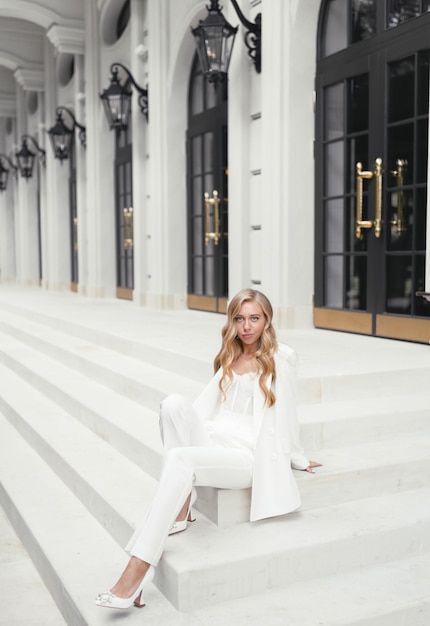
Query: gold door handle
(359,222)
(378,197)
(128,228)
(215,235)
(399,173)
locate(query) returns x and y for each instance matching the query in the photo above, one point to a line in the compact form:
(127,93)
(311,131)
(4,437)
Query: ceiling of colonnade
(23,26)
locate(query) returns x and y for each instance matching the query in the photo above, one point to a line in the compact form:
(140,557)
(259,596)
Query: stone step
(391,594)
(127,425)
(358,420)
(206,565)
(123,330)
(134,378)
(378,467)
(136,435)
(110,486)
(25,599)
(322,425)
(71,550)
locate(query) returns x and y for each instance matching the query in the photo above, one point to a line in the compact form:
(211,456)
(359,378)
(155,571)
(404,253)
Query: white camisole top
(233,427)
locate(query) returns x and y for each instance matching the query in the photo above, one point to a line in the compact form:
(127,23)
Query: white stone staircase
(80,385)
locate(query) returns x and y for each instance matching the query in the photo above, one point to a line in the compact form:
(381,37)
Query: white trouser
(191,459)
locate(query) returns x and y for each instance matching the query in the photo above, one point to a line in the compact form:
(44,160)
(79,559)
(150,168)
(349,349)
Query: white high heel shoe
(180,526)
(111,601)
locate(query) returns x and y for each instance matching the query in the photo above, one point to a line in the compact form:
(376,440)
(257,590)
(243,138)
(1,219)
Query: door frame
(389,45)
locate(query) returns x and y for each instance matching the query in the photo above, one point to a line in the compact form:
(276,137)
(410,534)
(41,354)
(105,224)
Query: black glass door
(124,212)
(371,186)
(73,219)
(207,195)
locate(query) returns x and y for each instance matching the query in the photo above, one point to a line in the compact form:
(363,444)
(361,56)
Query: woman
(242,431)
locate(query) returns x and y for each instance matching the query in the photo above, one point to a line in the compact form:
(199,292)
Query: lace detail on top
(233,427)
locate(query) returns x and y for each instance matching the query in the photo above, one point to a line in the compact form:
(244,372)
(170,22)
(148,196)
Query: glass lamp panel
(4,173)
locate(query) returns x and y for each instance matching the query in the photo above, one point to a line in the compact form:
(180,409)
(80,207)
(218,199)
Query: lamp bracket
(252,37)
(82,129)
(13,167)
(41,151)
(143,93)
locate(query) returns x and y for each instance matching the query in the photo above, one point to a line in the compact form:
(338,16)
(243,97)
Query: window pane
(358,109)
(421,150)
(334,223)
(335,34)
(399,284)
(363,19)
(196,146)
(198,235)
(421,306)
(421,220)
(356,267)
(333,108)
(400,206)
(400,147)
(423,83)
(401,90)
(334,169)
(197,87)
(401,11)
(333,284)
(357,152)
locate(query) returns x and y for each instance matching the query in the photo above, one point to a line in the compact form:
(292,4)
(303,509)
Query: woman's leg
(180,426)
(227,468)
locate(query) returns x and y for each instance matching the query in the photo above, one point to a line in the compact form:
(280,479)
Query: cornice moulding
(7,105)
(67,40)
(30,80)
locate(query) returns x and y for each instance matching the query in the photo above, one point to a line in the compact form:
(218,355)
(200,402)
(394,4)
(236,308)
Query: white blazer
(277,447)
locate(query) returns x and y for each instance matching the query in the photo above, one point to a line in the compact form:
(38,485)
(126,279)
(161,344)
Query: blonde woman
(242,431)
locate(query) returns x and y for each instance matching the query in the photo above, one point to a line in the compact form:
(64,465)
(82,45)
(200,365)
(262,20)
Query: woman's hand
(311,465)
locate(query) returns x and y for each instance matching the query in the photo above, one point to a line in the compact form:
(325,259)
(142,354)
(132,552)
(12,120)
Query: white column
(81,176)
(7,233)
(166,206)
(141,191)
(244,165)
(7,220)
(55,211)
(289,40)
(100,214)
(27,222)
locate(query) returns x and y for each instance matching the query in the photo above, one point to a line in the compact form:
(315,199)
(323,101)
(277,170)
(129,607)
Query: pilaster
(100,201)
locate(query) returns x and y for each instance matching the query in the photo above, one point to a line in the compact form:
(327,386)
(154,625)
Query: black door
(124,215)
(371,174)
(73,219)
(207,195)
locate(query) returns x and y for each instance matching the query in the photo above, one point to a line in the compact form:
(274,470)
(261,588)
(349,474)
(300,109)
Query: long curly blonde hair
(231,347)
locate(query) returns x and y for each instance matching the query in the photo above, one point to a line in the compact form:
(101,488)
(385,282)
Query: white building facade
(342,82)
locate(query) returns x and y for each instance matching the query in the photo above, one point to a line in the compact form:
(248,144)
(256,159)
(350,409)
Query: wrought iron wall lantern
(116,98)
(25,158)
(4,171)
(61,135)
(214,38)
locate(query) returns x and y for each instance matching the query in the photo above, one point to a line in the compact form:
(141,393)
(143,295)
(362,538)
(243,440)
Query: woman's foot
(128,589)
(130,578)
(184,516)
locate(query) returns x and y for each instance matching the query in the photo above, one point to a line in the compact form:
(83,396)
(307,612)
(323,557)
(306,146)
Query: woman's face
(250,322)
